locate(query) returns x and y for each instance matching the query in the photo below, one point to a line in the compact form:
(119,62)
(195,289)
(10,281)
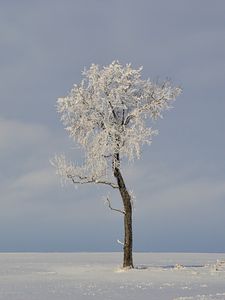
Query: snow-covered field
(75,276)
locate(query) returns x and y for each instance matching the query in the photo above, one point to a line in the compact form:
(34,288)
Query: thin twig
(84,180)
(118,210)
(119,242)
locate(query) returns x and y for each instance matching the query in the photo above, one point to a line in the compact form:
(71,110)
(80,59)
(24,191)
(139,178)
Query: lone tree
(108,115)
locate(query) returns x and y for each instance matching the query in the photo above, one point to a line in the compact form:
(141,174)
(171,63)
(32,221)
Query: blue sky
(179,183)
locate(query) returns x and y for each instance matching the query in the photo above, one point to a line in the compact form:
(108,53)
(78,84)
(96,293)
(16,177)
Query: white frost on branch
(76,174)
(119,242)
(107,114)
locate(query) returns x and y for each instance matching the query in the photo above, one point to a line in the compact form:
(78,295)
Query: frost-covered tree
(108,114)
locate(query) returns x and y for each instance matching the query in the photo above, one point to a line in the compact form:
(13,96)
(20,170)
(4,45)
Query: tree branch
(128,118)
(84,180)
(118,210)
(119,242)
(113,111)
(123,117)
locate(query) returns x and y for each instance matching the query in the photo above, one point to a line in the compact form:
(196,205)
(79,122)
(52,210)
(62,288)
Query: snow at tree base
(108,115)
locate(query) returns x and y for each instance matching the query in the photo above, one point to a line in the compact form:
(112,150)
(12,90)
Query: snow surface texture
(65,276)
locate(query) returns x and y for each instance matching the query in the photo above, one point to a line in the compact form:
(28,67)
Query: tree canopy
(107,114)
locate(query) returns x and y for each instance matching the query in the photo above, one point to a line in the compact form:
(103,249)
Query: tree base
(128,267)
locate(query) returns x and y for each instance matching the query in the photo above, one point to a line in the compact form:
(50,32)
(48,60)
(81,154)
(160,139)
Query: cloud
(25,150)
(194,195)
(16,135)
(35,180)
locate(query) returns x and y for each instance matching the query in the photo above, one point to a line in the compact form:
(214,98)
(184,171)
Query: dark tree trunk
(128,235)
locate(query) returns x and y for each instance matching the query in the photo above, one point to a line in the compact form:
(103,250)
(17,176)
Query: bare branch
(84,180)
(113,110)
(128,118)
(118,210)
(123,117)
(115,186)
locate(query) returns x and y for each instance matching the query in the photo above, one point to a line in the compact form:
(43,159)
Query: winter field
(157,276)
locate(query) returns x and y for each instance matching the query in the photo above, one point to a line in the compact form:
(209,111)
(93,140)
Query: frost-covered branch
(68,170)
(119,242)
(84,180)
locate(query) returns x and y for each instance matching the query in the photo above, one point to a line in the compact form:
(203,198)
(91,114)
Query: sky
(179,182)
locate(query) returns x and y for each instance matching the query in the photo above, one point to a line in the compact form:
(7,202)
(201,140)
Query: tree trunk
(128,235)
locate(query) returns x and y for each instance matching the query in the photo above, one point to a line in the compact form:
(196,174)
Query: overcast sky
(179,184)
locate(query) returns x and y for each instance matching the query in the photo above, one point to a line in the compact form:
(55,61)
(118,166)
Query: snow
(77,276)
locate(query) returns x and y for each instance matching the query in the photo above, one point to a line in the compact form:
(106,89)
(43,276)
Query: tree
(108,114)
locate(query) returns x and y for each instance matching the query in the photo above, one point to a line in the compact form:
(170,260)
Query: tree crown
(107,114)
